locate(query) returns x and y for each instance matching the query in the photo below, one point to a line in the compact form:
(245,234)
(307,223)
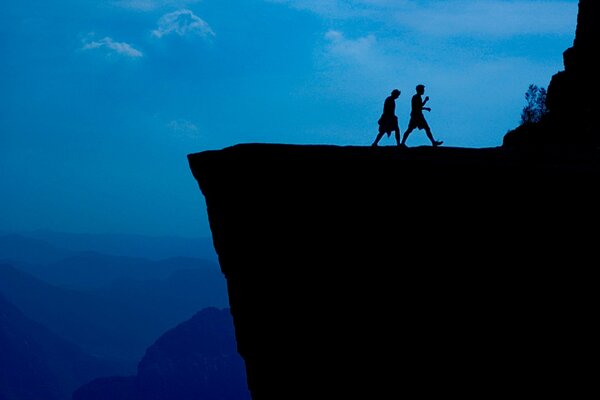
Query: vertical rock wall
(379,273)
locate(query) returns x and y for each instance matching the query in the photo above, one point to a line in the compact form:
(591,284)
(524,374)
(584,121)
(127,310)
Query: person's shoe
(402,146)
(438,143)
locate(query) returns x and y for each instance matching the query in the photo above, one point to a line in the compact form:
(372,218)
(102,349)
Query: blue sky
(101,101)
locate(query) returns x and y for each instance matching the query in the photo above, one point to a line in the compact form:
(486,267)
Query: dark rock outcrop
(358,272)
(572,96)
(195,360)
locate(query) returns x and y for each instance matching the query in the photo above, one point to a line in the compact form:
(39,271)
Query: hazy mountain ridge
(99,325)
(38,364)
(62,266)
(197,359)
(94,270)
(16,247)
(127,245)
(114,306)
(120,319)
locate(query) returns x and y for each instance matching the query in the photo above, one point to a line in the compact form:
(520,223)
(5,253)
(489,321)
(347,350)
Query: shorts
(417,121)
(388,124)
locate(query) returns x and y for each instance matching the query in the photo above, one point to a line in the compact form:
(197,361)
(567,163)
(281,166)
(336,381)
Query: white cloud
(354,66)
(119,47)
(148,5)
(183,128)
(450,18)
(182,22)
(360,49)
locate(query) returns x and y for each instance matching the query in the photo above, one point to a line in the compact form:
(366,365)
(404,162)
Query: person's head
(395,93)
(420,89)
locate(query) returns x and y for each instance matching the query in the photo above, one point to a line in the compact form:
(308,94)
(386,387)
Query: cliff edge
(380,272)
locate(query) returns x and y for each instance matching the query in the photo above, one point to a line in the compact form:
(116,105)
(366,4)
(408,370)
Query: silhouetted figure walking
(417,119)
(388,122)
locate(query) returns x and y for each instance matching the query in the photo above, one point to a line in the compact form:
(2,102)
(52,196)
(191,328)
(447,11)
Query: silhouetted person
(388,122)
(417,119)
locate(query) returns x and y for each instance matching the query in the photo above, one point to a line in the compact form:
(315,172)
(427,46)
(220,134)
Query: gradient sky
(101,101)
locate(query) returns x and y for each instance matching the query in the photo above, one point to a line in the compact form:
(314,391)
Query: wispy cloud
(182,22)
(452,18)
(354,65)
(331,9)
(492,18)
(183,128)
(149,5)
(118,47)
(358,49)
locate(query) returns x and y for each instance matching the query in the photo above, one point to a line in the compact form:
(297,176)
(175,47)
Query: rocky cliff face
(358,272)
(572,95)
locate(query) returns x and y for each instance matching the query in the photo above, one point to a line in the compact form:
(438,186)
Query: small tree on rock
(536,105)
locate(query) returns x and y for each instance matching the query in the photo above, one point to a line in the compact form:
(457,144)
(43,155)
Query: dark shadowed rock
(572,97)
(359,272)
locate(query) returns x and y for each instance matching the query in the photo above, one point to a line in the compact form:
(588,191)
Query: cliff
(380,272)
(571,95)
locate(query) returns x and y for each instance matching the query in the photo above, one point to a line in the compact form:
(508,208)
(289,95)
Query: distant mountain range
(197,359)
(30,250)
(112,306)
(53,244)
(101,326)
(102,311)
(35,363)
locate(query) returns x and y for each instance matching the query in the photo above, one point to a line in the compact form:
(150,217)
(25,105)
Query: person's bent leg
(405,136)
(429,134)
(378,138)
(434,142)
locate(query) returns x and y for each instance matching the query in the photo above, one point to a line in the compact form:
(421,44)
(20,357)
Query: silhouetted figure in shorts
(417,119)
(388,122)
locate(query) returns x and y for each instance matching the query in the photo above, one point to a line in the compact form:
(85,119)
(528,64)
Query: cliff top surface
(260,153)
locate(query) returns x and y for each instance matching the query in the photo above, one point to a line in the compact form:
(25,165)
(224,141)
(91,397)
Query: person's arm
(423,104)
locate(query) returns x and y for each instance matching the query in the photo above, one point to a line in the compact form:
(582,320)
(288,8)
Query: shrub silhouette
(536,108)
